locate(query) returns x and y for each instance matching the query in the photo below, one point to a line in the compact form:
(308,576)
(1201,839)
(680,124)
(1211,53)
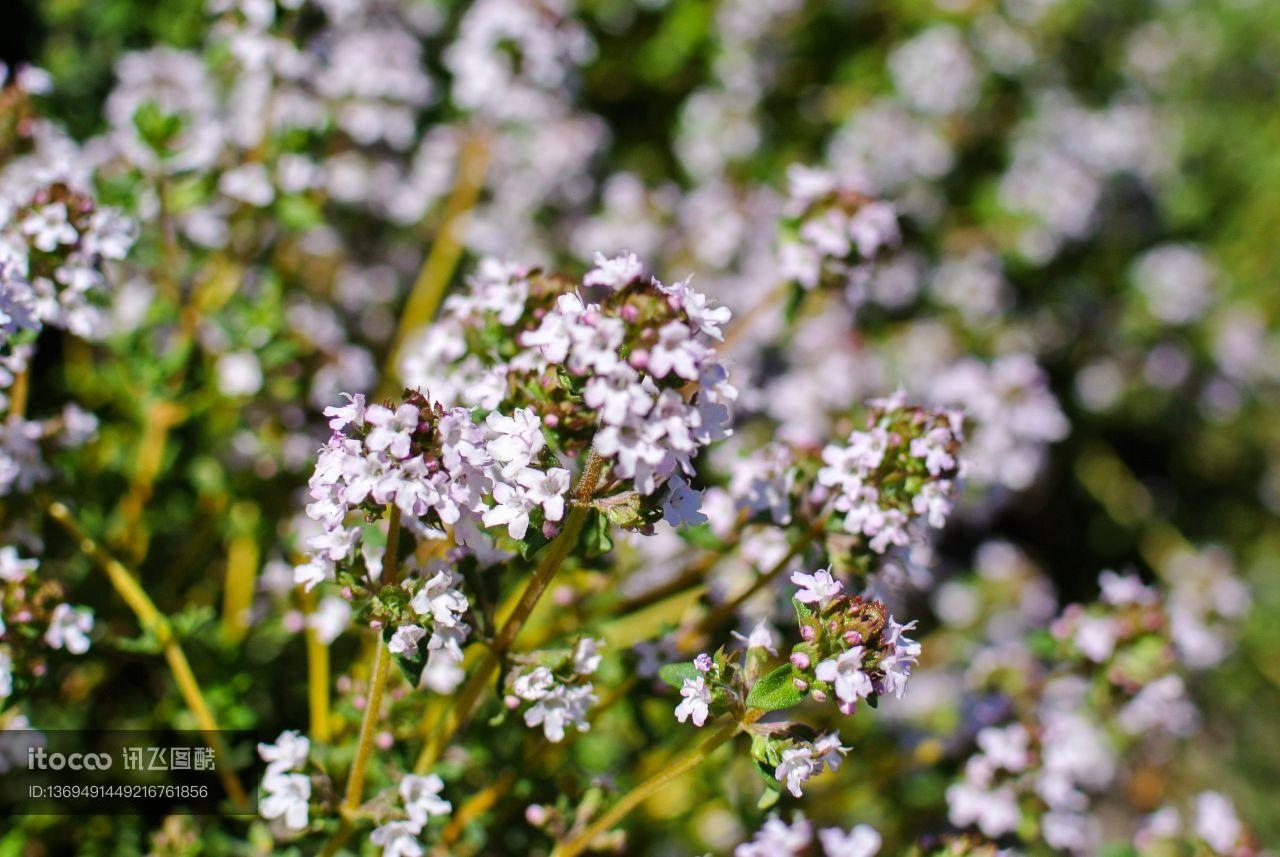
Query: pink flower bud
(800,684)
(800,660)
(385,740)
(853,638)
(629,313)
(551,420)
(807,633)
(535,814)
(819,696)
(511,702)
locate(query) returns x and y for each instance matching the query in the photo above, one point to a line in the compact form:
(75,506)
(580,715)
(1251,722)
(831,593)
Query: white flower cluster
(512,58)
(27,617)
(838,229)
(1011,416)
(53,245)
(441,604)
(420,797)
(1053,775)
(905,441)
(1213,821)
(648,430)
(437,467)
(562,696)
(641,357)
(22,464)
(776,838)
(287,792)
(804,759)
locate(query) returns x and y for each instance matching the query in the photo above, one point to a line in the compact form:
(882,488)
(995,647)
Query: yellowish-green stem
(317,675)
(18,394)
(683,764)
(243,555)
(552,557)
(158,421)
(378,675)
(152,620)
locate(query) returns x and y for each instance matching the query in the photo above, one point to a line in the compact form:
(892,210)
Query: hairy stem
(552,557)
(152,620)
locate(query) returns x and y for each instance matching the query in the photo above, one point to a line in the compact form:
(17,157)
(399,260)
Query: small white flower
(288,753)
(682,506)
(421,797)
(796,767)
(818,588)
(778,839)
(287,798)
(546,490)
(534,684)
(586,656)
(1216,822)
(761,637)
(615,272)
(69,628)
(862,841)
(48,227)
(406,639)
(676,351)
(392,430)
(696,704)
(6,674)
(562,706)
(14,568)
(330,618)
(398,839)
(846,674)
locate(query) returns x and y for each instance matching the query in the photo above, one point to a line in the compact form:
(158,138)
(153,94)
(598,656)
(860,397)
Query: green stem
(552,557)
(378,675)
(581,841)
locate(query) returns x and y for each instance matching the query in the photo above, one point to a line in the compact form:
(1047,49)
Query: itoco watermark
(39,760)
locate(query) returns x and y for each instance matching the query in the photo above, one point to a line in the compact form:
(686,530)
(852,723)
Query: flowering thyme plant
(565,427)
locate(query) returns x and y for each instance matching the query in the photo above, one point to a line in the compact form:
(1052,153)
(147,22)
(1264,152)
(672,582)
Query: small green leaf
(769,798)
(596,540)
(775,691)
(411,665)
(675,674)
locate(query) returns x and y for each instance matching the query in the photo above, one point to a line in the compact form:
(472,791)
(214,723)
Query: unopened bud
(807,633)
(800,660)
